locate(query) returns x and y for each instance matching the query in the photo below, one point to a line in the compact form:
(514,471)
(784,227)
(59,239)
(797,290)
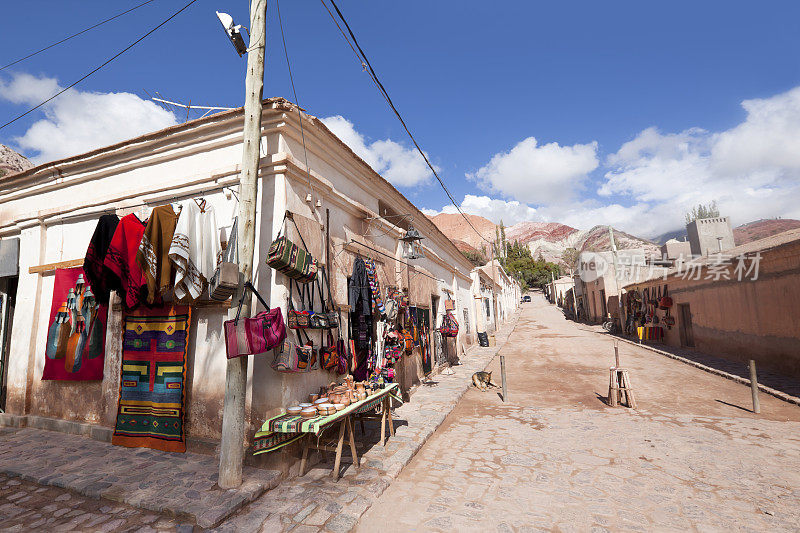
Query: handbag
(329,355)
(226,280)
(449,326)
(294,358)
(285,256)
(326,319)
(297,319)
(408,340)
(449,305)
(254,335)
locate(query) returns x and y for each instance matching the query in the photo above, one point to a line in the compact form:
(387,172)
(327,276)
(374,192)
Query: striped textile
(650,333)
(282,430)
(374,286)
(151,398)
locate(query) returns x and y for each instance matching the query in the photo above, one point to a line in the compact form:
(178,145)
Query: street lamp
(233,32)
(413,246)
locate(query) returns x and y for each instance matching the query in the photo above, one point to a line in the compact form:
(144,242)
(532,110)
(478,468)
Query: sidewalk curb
(788,398)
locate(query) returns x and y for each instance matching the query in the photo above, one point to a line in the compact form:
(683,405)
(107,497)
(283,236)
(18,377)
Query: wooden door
(687,336)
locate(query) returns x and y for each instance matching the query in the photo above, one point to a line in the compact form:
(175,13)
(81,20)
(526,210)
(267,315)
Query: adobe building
(710,235)
(50,212)
(739,309)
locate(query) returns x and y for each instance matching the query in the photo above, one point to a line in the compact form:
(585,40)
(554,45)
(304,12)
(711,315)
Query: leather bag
(293,357)
(263,332)
(226,277)
(329,355)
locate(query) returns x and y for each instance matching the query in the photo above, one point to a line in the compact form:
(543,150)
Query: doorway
(8,297)
(686,333)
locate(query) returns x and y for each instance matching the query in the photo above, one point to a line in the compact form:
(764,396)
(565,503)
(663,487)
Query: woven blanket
(151,398)
(650,333)
(285,429)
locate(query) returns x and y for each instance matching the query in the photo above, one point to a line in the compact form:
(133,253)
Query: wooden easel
(345,426)
(619,389)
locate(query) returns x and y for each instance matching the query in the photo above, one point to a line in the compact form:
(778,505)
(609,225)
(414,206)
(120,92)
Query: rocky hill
(549,239)
(12,162)
(760,229)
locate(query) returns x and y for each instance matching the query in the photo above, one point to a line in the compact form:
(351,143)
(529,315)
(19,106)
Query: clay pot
(308,412)
(294,410)
(313,397)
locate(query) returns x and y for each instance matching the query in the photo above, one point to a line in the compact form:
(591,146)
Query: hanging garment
(374,286)
(100,277)
(153,253)
(194,251)
(358,294)
(121,259)
(380,345)
(151,407)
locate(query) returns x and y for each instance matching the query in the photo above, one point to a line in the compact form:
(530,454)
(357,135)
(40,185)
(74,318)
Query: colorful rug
(152,395)
(76,338)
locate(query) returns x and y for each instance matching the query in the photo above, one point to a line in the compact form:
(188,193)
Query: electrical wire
(109,60)
(48,47)
(365,62)
(294,92)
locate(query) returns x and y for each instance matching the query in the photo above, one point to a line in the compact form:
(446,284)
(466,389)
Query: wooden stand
(619,389)
(346,432)
(345,426)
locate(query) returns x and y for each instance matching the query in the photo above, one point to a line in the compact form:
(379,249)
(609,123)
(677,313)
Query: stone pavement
(26,506)
(781,386)
(315,502)
(183,485)
(557,458)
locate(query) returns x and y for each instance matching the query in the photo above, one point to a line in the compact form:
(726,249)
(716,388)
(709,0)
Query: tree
(703,211)
(570,257)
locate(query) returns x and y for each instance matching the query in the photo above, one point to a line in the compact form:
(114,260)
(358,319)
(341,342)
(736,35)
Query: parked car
(526,298)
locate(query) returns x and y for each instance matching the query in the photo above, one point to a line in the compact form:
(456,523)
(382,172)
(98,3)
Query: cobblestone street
(692,457)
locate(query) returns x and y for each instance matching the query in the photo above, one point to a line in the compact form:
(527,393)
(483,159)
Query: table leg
(387,405)
(361,420)
(352,442)
(304,459)
(338,461)
(383,427)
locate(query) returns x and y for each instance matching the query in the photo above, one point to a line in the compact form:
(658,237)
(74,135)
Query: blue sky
(579,112)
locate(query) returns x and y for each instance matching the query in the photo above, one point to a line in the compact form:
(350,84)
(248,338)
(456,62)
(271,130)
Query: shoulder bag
(254,335)
(297,319)
(225,280)
(285,256)
(293,357)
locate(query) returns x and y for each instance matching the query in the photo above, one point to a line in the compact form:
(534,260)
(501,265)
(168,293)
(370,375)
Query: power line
(109,60)
(48,47)
(365,62)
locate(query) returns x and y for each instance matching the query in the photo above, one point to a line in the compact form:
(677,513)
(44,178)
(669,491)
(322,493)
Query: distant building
(674,249)
(710,235)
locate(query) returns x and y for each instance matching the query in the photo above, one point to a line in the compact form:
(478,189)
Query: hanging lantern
(412,245)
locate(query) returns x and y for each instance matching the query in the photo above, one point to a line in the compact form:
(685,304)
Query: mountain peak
(11,162)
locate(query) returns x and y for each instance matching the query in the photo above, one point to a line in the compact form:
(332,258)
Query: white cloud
(402,166)
(537,174)
(752,170)
(493,209)
(79,121)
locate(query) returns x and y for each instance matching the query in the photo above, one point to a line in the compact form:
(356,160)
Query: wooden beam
(51,267)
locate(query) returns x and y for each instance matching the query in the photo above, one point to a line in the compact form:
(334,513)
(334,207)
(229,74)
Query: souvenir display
(76,337)
(152,384)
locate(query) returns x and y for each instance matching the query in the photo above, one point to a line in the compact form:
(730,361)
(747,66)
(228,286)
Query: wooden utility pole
(232,443)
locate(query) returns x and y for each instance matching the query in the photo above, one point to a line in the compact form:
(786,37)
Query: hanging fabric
(121,259)
(153,253)
(99,276)
(375,287)
(194,250)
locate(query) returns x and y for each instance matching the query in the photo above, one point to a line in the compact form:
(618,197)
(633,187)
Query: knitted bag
(254,335)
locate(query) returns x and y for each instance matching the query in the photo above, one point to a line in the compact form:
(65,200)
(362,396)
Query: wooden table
(284,429)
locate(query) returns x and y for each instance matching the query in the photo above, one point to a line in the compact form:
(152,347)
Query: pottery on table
(340,406)
(308,412)
(313,397)
(294,410)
